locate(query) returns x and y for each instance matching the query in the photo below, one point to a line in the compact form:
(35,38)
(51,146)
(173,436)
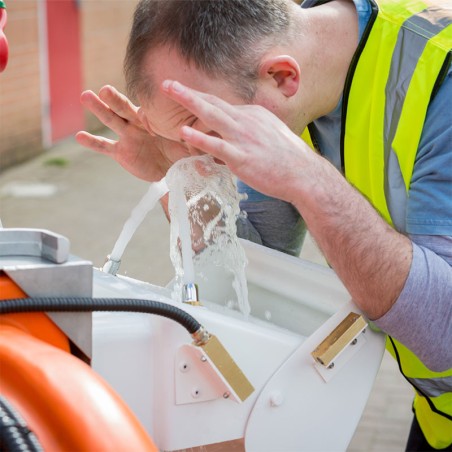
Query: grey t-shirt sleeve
(269,221)
(421,318)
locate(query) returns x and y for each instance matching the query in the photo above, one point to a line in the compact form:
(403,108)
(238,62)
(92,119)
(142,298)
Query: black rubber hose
(15,435)
(74,304)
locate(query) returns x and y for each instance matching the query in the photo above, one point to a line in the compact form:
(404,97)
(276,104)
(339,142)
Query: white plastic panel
(299,411)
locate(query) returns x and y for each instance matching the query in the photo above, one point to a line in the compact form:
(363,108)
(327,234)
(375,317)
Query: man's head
(224,39)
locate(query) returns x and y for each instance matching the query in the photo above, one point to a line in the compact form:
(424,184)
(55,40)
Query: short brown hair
(224,38)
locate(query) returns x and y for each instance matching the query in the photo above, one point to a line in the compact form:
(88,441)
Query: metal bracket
(340,345)
(34,243)
(197,378)
(38,261)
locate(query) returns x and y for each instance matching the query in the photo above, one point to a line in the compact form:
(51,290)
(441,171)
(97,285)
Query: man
(373,84)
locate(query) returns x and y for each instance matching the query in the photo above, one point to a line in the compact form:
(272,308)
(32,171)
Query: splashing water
(207,192)
(184,233)
(148,201)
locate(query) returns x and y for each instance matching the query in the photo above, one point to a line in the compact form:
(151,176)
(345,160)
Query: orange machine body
(64,402)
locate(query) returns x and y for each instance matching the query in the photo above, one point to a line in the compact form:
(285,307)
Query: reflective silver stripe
(429,22)
(408,49)
(432,387)
(411,41)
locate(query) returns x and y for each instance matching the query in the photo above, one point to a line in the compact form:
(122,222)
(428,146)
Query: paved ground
(87,198)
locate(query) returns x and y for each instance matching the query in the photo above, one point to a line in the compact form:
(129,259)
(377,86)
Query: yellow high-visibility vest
(403,56)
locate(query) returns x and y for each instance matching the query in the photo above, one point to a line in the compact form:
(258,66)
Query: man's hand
(256,146)
(142,154)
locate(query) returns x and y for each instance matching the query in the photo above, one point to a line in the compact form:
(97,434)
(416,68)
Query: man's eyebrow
(190,123)
(186,120)
(180,140)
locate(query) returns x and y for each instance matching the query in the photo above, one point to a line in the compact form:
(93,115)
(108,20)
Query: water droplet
(230,304)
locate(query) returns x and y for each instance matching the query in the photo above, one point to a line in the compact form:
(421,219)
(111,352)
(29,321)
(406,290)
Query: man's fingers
(103,112)
(95,143)
(120,104)
(212,111)
(213,145)
(227,108)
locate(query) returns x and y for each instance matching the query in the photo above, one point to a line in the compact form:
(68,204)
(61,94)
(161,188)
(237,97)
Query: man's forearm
(370,257)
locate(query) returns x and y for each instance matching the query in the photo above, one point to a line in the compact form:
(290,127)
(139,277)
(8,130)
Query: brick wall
(105,30)
(105,25)
(20,103)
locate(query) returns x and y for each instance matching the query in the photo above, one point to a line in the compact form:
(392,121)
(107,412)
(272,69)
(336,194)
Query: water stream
(148,201)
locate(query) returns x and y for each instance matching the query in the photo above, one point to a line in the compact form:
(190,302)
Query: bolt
(331,366)
(195,393)
(203,359)
(276,399)
(354,341)
(184,367)
(226,395)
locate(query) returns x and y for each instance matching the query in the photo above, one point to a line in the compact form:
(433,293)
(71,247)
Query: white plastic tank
(297,403)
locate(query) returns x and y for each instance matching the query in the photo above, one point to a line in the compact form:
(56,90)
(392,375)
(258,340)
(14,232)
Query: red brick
(105,26)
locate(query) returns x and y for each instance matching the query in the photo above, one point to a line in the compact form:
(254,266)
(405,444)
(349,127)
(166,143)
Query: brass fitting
(201,337)
(219,357)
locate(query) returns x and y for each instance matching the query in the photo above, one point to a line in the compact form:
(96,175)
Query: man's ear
(284,70)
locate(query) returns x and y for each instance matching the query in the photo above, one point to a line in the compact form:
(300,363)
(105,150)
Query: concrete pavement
(88,197)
